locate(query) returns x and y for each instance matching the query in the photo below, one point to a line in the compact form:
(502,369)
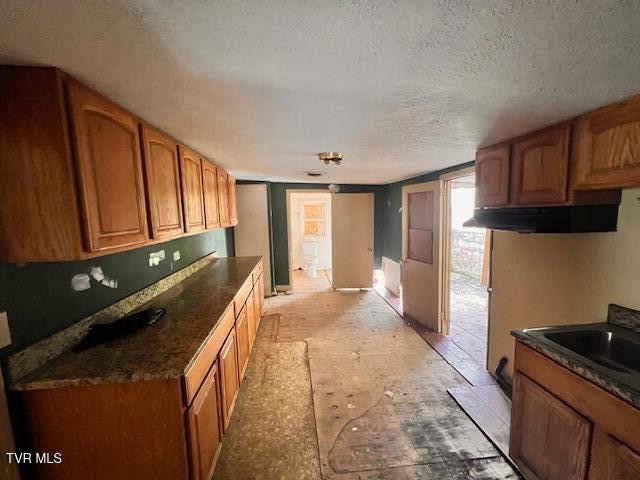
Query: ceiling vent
(329,157)
(314,174)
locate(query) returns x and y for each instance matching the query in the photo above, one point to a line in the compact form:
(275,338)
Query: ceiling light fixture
(328,157)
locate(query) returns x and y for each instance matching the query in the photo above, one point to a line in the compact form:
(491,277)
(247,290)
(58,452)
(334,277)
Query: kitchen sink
(608,349)
(605,348)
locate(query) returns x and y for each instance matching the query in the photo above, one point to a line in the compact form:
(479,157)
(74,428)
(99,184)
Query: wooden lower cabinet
(243,341)
(612,459)
(229,378)
(549,440)
(565,427)
(252,319)
(205,427)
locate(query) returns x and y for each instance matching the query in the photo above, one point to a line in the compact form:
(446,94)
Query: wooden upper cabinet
(492,177)
(39,218)
(223,198)
(540,167)
(549,440)
(162,174)
(233,208)
(110,170)
(205,427)
(612,459)
(210,186)
(192,195)
(606,147)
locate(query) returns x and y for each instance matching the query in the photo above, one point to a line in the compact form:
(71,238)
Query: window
(312,219)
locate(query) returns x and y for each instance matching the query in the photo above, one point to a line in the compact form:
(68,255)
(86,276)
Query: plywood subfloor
(380,393)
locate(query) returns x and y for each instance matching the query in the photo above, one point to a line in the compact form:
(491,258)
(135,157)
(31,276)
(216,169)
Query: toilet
(310,251)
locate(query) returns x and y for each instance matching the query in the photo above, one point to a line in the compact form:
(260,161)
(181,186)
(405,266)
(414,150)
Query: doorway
(309,227)
(466,271)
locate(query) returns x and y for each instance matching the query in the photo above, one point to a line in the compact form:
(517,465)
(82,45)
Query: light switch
(176,255)
(5,334)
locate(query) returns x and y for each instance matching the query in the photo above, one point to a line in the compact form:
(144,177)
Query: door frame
(289,209)
(406,189)
(448,179)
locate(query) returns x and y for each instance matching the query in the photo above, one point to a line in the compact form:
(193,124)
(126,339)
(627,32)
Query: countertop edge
(610,385)
(25,385)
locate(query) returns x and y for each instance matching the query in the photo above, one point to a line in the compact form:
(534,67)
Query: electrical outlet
(176,255)
(5,334)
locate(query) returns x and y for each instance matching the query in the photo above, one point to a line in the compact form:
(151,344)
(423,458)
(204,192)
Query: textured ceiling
(401,88)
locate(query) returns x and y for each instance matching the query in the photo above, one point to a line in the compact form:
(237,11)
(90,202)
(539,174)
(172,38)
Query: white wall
(391,275)
(542,280)
(251,235)
(324,243)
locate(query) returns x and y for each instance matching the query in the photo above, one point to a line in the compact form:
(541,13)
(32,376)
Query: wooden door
(352,240)
(109,166)
(205,427)
(162,174)
(192,195)
(233,209)
(210,186)
(606,147)
(421,254)
(492,176)
(223,198)
(243,340)
(540,167)
(252,321)
(612,459)
(549,440)
(229,382)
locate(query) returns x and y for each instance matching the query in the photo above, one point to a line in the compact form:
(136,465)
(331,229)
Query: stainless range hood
(568,219)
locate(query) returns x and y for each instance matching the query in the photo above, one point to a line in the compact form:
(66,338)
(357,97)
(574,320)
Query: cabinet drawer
(196,373)
(241,296)
(257,272)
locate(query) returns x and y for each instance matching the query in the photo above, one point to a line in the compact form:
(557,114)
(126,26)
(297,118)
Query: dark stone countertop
(163,350)
(624,386)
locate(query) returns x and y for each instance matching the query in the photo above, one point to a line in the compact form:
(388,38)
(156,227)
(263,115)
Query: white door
(421,253)
(252,232)
(352,240)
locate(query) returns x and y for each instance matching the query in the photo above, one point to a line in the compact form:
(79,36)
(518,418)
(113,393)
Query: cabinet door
(549,440)
(492,177)
(110,171)
(228,361)
(233,208)
(162,173)
(612,459)
(205,427)
(223,198)
(606,147)
(243,340)
(251,316)
(260,306)
(210,185)
(192,197)
(540,167)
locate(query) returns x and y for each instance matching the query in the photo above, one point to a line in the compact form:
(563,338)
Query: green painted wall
(39,300)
